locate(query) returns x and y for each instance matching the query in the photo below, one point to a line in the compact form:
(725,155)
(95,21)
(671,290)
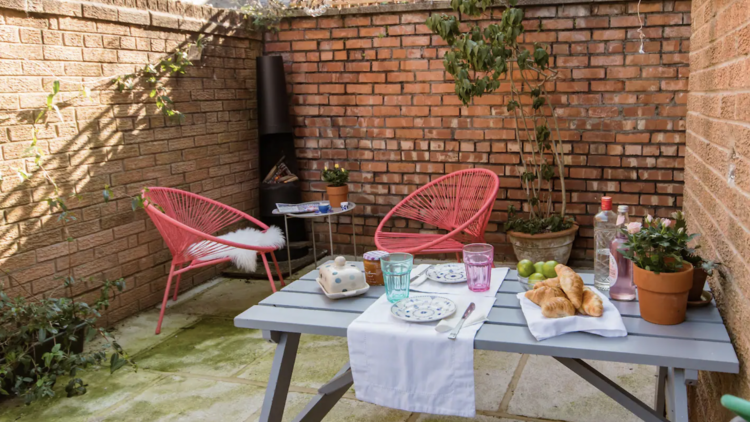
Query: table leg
(288,252)
(330,235)
(661,381)
(610,388)
(354,238)
(281,376)
(328,396)
(315,252)
(677,403)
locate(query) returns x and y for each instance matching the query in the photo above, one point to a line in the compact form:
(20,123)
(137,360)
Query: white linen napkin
(608,325)
(462,303)
(412,367)
(430,286)
(418,273)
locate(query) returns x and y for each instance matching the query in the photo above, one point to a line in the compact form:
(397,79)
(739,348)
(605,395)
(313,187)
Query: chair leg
(166,297)
(268,271)
(278,271)
(176,286)
(458,257)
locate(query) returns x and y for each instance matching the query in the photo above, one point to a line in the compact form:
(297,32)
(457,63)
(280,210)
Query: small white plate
(447,273)
(423,308)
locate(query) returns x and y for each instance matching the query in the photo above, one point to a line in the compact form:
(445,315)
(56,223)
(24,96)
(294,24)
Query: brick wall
(118,139)
(369,91)
(716,179)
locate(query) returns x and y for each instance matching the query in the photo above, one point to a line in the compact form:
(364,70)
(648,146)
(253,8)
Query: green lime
(539,267)
(549,269)
(525,268)
(536,277)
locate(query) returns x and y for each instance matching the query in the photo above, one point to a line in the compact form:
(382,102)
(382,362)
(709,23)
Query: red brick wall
(117,139)
(369,91)
(717,182)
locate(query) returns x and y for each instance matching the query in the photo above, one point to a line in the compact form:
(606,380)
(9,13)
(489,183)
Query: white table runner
(411,366)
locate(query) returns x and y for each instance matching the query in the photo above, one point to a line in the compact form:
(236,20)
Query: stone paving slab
(227,299)
(479,418)
(346,410)
(547,389)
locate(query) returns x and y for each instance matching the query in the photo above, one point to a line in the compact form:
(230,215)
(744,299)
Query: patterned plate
(447,273)
(423,308)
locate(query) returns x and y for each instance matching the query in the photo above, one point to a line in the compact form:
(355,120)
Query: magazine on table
(298,208)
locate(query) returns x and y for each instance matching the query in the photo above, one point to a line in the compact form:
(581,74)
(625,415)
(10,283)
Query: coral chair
(185,220)
(460,203)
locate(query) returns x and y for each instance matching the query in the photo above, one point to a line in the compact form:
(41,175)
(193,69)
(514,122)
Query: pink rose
(648,219)
(666,222)
(634,228)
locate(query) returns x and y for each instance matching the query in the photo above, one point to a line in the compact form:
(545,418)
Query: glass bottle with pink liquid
(620,268)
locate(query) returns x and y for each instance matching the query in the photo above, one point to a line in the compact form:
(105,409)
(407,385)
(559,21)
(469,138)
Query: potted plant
(42,339)
(662,276)
(337,188)
(478,60)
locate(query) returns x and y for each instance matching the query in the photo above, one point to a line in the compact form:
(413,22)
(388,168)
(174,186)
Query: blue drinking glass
(396,275)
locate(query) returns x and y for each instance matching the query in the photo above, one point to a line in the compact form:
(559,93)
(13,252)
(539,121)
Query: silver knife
(460,324)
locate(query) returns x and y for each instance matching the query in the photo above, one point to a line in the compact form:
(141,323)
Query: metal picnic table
(701,343)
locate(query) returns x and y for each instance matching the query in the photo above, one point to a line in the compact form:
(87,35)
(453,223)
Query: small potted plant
(337,188)
(663,277)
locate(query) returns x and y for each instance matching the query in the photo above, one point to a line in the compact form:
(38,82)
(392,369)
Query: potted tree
(485,59)
(663,277)
(337,189)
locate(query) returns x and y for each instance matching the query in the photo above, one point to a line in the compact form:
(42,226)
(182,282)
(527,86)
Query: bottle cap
(622,208)
(606,203)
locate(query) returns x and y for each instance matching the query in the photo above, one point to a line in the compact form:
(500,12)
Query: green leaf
(56,87)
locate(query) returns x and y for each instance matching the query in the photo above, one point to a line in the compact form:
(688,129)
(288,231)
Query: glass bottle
(604,234)
(621,268)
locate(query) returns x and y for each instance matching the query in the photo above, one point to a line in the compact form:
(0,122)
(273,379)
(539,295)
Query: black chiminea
(277,141)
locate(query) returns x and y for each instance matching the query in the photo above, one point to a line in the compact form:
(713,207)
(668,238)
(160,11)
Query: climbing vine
(487,57)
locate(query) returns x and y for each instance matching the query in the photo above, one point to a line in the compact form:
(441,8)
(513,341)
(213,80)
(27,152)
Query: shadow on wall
(80,158)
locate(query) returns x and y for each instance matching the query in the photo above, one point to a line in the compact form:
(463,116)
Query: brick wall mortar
(118,139)
(369,91)
(717,188)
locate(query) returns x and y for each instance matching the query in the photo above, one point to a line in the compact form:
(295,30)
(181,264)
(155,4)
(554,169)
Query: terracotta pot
(337,195)
(699,281)
(663,297)
(543,247)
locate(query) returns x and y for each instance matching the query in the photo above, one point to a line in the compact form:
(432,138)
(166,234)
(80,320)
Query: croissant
(571,283)
(558,307)
(543,294)
(592,304)
(550,282)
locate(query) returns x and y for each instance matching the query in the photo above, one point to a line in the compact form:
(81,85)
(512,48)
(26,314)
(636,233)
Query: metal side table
(312,216)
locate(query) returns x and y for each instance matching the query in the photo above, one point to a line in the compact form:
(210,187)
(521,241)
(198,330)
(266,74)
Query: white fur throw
(244,259)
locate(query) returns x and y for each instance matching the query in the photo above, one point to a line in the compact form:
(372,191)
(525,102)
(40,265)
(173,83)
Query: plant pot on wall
(337,195)
(663,297)
(545,246)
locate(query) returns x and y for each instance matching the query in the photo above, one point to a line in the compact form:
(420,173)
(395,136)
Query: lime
(539,267)
(549,269)
(536,277)
(525,268)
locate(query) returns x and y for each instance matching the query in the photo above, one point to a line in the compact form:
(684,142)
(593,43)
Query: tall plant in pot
(337,189)
(489,58)
(663,277)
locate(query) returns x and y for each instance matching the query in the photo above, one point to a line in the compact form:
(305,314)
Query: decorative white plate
(423,308)
(447,273)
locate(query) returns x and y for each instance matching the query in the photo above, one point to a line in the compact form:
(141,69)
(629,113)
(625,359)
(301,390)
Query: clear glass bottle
(620,268)
(604,233)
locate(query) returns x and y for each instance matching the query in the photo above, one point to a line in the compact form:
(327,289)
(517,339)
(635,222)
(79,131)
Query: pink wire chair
(459,202)
(186,222)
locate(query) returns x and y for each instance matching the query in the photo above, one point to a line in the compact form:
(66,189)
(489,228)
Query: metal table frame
(678,352)
(312,216)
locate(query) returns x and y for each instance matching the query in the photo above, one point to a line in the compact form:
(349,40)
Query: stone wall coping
(179,16)
(421,6)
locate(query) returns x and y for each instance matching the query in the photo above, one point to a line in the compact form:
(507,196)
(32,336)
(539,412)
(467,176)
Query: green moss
(210,347)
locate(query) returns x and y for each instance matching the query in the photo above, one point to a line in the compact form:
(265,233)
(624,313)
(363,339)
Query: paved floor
(202,368)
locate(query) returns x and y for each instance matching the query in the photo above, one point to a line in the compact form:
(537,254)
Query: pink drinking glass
(478,259)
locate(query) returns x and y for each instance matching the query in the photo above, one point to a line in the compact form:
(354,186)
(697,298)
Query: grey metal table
(312,216)
(701,343)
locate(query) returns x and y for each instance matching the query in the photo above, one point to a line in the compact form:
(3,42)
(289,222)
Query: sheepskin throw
(244,259)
